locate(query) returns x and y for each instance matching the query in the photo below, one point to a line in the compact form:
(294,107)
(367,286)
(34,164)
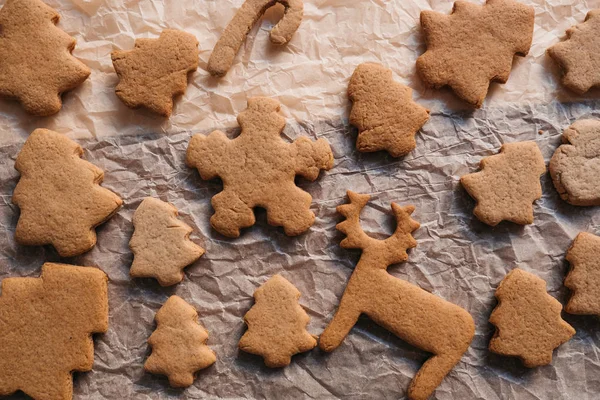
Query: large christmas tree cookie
(59,195)
(474,45)
(579,55)
(36,64)
(46,327)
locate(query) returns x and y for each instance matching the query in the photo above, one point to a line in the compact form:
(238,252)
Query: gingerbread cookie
(258,170)
(36,65)
(46,327)
(508,184)
(156,70)
(409,312)
(579,55)
(234,35)
(277,324)
(527,319)
(178,344)
(160,243)
(59,195)
(584,277)
(474,46)
(383,111)
(575,166)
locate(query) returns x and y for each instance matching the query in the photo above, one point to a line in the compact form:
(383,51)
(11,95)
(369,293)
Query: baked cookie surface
(383,111)
(575,165)
(178,344)
(578,55)
(527,319)
(156,70)
(508,184)
(474,45)
(276,324)
(59,195)
(258,169)
(36,65)
(584,277)
(160,243)
(46,327)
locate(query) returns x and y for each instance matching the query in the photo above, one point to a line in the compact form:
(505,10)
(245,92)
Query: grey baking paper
(457,257)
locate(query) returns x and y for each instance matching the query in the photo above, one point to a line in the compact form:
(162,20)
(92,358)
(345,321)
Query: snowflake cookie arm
(209,154)
(311,157)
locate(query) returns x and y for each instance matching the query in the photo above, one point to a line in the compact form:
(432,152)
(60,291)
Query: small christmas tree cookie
(584,277)
(527,319)
(277,324)
(160,243)
(578,56)
(178,344)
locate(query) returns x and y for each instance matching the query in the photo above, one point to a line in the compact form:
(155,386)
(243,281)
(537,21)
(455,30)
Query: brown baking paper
(457,257)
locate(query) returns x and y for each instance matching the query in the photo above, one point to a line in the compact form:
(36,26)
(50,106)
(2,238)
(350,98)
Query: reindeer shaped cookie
(414,315)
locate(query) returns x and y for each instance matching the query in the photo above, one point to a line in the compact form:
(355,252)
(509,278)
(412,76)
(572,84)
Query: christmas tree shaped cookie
(527,319)
(474,45)
(258,170)
(383,111)
(36,64)
(584,277)
(59,195)
(156,70)
(178,344)
(508,184)
(579,55)
(46,327)
(575,164)
(160,243)
(277,324)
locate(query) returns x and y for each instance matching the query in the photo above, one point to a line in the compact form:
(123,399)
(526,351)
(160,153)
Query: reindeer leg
(431,374)
(341,324)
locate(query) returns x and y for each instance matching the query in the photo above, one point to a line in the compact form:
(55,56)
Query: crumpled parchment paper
(457,257)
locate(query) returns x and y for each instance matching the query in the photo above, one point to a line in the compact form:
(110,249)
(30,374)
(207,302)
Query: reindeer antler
(402,239)
(356,238)
(392,249)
